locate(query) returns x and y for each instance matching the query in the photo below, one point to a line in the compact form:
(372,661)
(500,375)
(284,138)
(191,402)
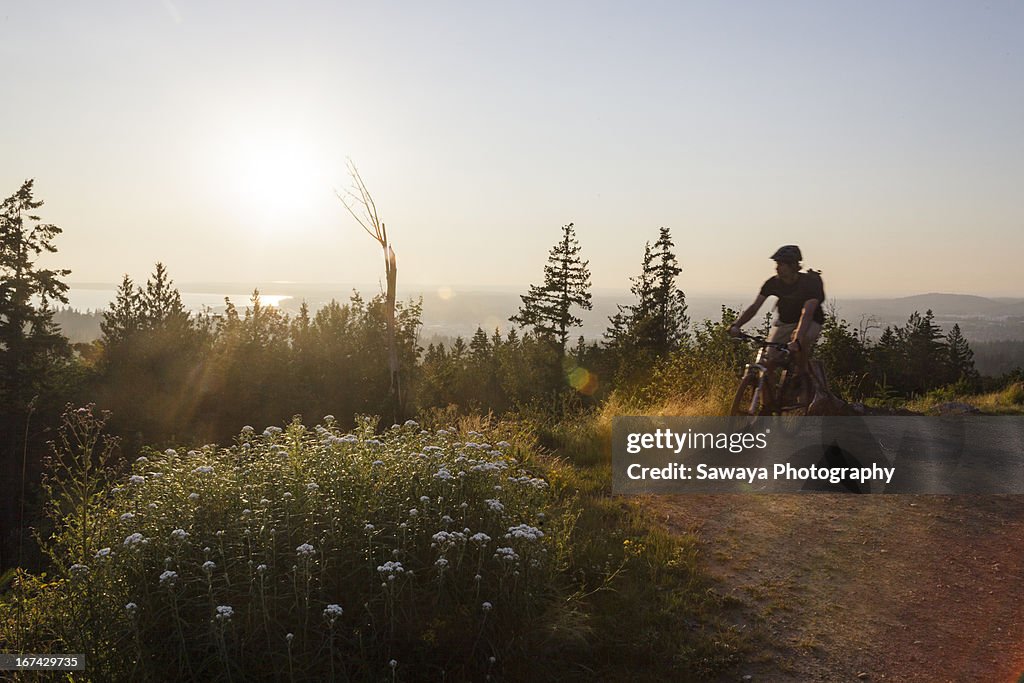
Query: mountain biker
(799,313)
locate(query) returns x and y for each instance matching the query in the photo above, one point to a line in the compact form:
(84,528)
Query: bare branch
(359,220)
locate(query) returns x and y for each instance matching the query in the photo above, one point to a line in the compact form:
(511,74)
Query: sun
(275,179)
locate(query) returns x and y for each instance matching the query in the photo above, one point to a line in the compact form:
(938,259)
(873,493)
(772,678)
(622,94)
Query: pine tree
(669,322)
(960,358)
(125,317)
(547,308)
(657,323)
(924,353)
(161,301)
(480,345)
(30,342)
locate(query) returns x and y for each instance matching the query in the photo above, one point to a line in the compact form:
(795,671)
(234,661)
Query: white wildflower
(480,537)
(171,452)
(413,512)
(305,550)
(179,535)
(193,496)
(443,474)
(506,555)
(448,538)
(332,612)
(391,568)
(209,566)
(101,553)
(224,612)
(202,469)
(494,505)
(133,540)
(261,569)
(128,516)
(486,607)
(136,479)
(312,487)
(78,570)
(525,532)
(168,577)
(131,608)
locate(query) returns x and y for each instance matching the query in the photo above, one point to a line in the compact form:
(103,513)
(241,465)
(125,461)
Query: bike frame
(766,396)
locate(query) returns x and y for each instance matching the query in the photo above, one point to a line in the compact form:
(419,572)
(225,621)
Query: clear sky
(887,139)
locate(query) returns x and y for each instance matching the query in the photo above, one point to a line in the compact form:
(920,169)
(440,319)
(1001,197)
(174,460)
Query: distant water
(100,299)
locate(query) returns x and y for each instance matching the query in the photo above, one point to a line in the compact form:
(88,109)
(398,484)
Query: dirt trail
(883,587)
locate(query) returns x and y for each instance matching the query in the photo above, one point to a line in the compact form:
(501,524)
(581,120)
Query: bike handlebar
(763,342)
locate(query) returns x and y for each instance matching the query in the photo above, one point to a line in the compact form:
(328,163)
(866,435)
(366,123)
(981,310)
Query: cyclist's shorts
(783,333)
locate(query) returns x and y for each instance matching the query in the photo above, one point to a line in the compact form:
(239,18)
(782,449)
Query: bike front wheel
(748,401)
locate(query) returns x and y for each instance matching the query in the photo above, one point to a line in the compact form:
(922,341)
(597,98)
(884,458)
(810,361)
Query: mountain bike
(758,393)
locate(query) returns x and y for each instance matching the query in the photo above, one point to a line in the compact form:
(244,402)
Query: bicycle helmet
(790,253)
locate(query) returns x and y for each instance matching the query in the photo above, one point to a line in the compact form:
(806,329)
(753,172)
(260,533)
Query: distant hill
(945,304)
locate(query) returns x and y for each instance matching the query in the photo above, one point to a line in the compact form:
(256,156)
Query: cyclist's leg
(781,333)
(803,360)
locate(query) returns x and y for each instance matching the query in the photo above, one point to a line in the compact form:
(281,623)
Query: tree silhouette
(361,206)
(547,308)
(657,323)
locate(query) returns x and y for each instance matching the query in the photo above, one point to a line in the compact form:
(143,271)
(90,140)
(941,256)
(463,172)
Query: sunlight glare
(275,180)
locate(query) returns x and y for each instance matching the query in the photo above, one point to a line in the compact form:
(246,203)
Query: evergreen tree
(668,329)
(30,342)
(547,308)
(960,358)
(480,345)
(657,323)
(124,318)
(161,301)
(36,372)
(924,353)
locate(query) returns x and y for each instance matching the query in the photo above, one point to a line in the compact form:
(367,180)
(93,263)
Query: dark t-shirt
(792,297)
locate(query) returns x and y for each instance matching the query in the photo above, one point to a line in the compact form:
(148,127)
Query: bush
(304,554)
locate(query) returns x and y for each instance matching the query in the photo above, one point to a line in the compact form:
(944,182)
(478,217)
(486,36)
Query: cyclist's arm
(749,314)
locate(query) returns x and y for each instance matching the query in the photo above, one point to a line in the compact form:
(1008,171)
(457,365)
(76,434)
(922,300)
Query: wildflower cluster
(411,525)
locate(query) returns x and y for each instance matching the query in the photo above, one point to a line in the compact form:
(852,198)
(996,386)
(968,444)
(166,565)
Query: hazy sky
(887,139)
